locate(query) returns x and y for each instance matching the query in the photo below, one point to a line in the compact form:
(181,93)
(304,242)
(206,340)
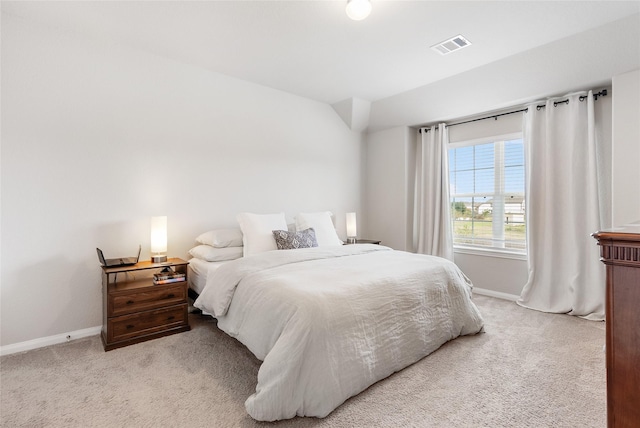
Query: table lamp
(158,239)
(351,228)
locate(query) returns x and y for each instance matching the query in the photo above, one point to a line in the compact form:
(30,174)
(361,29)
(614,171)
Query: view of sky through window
(474,168)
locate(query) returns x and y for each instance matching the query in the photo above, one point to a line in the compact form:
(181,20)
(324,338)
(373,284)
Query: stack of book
(168,276)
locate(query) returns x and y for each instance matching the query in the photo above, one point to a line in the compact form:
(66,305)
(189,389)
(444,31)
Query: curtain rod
(495,117)
(602,93)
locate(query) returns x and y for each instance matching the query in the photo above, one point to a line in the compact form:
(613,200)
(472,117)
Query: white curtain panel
(433,230)
(562,208)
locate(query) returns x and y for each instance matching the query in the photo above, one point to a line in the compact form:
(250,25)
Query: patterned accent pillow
(286,240)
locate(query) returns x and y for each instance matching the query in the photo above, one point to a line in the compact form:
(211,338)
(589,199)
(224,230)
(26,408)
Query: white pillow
(221,238)
(257,231)
(213,254)
(321,222)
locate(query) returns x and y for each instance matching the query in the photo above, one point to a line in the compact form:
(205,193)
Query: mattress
(199,270)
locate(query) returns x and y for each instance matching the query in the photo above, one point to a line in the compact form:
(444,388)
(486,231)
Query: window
(487,194)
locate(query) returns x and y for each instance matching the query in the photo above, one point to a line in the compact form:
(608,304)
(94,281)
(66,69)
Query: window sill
(490,252)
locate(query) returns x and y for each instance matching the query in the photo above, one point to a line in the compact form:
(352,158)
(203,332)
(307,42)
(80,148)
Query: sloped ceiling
(311,48)
(587,60)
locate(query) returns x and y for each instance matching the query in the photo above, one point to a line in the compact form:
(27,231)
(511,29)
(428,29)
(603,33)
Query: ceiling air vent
(453,44)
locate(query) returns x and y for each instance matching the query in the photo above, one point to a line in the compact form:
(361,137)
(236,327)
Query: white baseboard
(497,294)
(49,340)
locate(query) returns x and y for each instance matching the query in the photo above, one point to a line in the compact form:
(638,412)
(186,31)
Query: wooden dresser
(620,251)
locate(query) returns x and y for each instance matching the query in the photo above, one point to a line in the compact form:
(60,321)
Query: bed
(327,322)
(199,270)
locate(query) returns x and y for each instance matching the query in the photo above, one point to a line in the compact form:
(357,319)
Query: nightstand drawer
(148,298)
(129,326)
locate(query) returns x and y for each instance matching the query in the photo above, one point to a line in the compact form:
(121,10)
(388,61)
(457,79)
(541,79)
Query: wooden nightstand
(134,309)
(364,241)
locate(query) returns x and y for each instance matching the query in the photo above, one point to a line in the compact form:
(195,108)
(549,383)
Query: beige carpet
(528,370)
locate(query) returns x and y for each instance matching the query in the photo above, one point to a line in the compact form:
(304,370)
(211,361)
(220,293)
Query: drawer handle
(130,326)
(170,318)
(171,296)
(130,302)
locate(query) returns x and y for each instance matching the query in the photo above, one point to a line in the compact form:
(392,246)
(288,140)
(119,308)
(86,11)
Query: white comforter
(328,322)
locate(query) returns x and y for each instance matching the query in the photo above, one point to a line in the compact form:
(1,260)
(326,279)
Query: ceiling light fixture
(358,9)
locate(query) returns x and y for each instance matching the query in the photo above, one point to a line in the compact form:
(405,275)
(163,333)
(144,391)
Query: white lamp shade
(358,9)
(351,225)
(159,234)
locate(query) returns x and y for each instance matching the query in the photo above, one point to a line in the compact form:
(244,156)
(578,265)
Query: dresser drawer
(147,298)
(129,326)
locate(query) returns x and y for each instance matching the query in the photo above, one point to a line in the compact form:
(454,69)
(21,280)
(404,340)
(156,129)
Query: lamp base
(351,239)
(158,259)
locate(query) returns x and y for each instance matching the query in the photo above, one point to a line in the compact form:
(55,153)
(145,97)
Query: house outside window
(487,193)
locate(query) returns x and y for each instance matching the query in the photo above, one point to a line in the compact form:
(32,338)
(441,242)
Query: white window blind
(487,194)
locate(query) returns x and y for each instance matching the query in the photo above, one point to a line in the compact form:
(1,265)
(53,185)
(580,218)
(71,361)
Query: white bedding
(328,322)
(199,270)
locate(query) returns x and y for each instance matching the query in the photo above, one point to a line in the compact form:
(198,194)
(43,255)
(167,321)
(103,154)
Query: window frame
(509,253)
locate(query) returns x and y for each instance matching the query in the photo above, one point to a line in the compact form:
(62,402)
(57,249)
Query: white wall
(626,148)
(96,139)
(495,274)
(388,196)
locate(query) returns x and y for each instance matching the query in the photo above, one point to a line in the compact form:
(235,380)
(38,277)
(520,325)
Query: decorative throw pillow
(286,240)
